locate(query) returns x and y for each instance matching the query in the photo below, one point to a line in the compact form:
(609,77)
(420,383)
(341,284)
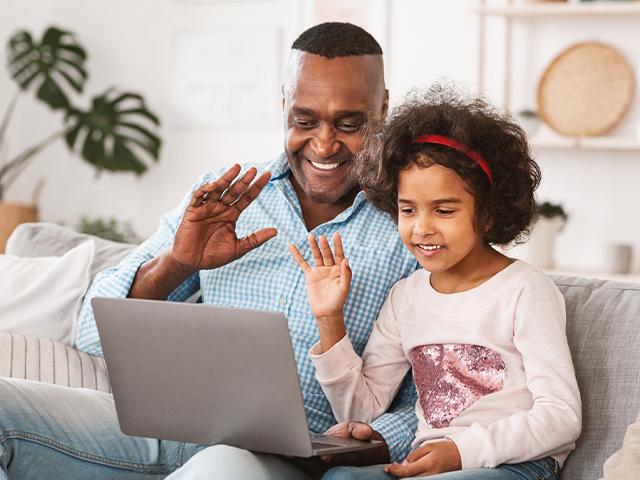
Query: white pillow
(42,296)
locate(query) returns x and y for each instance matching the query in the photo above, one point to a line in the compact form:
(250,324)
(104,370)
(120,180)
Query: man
(229,238)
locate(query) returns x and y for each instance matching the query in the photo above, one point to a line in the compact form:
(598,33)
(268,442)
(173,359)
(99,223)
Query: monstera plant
(117,132)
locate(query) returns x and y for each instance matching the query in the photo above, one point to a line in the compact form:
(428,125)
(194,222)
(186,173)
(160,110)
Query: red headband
(461,147)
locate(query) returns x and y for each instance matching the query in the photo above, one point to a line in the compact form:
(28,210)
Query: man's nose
(324,143)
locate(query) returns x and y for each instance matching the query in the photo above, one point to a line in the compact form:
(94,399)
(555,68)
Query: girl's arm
(554,421)
(357,389)
(362,389)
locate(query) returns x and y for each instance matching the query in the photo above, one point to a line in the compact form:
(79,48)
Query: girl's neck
(476,268)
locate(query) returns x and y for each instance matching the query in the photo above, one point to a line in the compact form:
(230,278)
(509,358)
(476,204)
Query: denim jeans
(48,431)
(543,469)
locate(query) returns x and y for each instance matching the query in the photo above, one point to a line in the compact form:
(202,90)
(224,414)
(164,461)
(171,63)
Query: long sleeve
(363,389)
(553,423)
(116,282)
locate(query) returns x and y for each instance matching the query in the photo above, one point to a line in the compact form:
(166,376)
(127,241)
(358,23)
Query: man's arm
(199,235)
(116,282)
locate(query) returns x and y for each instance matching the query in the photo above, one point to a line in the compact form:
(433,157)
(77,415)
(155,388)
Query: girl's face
(436,219)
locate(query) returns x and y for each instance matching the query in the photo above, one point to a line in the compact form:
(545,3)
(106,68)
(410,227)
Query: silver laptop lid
(233,374)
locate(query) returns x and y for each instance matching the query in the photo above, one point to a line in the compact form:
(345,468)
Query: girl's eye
(444,211)
(407,211)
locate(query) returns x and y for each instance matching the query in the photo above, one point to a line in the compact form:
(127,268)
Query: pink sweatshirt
(491,365)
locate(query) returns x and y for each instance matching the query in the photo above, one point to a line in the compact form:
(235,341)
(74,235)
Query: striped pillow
(44,360)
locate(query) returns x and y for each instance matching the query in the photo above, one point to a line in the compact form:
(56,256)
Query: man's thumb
(360,431)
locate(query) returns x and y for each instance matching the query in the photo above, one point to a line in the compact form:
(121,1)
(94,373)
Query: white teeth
(325,166)
(430,247)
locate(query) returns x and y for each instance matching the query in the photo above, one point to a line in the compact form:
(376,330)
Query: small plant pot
(539,249)
(12,215)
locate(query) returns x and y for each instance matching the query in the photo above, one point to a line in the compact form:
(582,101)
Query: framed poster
(227,78)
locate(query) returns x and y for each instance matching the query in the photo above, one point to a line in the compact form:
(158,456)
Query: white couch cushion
(42,296)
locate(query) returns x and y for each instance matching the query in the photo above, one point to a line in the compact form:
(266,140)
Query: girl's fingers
(238,187)
(327,254)
(337,246)
(345,273)
(299,259)
(315,251)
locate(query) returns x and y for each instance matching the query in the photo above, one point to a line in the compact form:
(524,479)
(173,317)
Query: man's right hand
(206,237)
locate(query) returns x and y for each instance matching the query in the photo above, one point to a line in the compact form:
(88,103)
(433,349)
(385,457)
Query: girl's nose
(424,227)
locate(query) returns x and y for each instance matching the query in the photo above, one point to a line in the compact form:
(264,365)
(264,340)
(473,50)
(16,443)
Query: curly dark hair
(504,208)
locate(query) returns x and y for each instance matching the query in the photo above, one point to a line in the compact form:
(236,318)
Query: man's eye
(304,124)
(350,126)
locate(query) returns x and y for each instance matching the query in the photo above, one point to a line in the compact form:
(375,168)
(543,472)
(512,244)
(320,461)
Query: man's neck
(316,213)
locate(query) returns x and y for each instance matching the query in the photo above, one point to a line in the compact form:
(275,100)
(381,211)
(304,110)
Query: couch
(603,328)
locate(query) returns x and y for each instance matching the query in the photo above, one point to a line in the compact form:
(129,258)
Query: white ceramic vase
(539,249)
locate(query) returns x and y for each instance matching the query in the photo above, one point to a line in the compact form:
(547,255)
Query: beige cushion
(43,360)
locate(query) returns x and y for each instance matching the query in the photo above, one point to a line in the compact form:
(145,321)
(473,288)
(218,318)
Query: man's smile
(326,166)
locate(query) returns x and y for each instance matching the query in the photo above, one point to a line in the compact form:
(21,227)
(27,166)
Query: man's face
(327,103)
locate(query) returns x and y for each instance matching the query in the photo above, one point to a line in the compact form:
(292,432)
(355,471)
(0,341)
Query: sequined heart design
(450,378)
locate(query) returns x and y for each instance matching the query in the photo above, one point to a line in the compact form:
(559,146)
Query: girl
(483,333)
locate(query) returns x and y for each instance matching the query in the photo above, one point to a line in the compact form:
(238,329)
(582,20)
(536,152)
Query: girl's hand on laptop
(206,237)
(432,458)
(328,282)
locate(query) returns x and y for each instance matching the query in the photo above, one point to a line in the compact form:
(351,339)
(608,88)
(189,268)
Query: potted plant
(116,133)
(550,219)
(529,121)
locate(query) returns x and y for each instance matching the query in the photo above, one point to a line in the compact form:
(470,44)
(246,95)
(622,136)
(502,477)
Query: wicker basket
(12,215)
(586,90)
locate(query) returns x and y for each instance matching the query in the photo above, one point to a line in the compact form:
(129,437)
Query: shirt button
(283,301)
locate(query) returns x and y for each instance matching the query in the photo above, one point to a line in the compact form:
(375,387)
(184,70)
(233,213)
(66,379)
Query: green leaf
(132,132)
(52,94)
(141,111)
(47,64)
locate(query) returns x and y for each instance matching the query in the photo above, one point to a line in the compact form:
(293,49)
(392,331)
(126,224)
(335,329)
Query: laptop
(208,375)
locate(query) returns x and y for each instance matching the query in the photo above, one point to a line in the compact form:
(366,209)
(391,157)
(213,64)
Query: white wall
(130,44)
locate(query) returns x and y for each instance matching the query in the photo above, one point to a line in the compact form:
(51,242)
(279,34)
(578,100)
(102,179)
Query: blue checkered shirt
(267,278)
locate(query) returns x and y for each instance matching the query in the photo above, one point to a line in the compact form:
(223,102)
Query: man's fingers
(252,192)
(338,430)
(360,431)
(216,187)
(254,240)
(238,187)
(315,251)
(299,259)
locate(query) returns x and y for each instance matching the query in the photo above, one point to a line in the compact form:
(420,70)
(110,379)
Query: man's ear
(385,103)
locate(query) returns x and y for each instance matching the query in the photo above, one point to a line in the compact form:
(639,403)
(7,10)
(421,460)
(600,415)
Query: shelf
(585,143)
(590,9)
